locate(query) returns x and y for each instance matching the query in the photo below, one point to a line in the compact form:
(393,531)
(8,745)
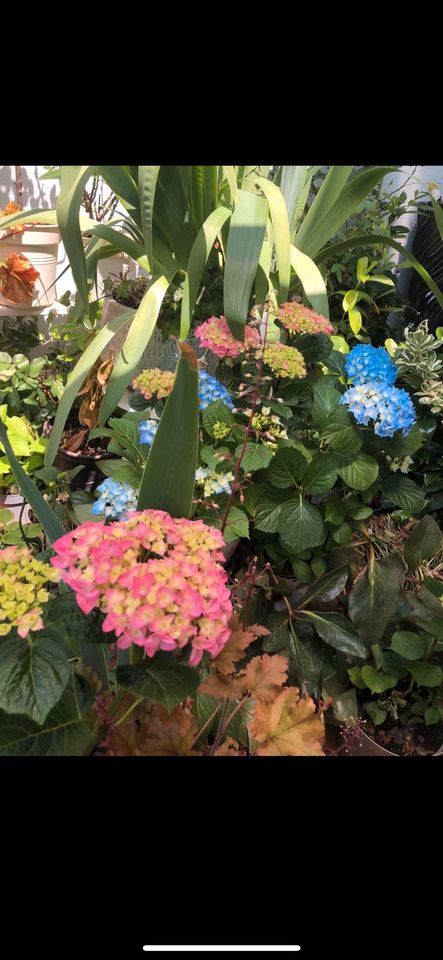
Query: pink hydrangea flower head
(158,580)
(216,335)
(299,319)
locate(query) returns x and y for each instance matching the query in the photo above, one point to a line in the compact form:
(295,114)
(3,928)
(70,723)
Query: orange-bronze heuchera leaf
(7,212)
(288,727)
(233,651)
(265,676)
(170,735)
(230,748)
(222,686)
(17,278)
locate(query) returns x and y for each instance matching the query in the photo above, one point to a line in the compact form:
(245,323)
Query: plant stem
(255,400)
(220,729)
(131,708)
(205,725)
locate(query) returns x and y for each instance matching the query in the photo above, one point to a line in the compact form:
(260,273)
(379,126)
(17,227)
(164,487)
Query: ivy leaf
(359,472)
(287,468)
(408,645)
(300,526)
(404,493)
(377,714)
(376,680)
(426,674)
(33,674)
(161,678)
(288,727)
(373,599)
(264,677)
(257,456)
(337,632)
(424,542)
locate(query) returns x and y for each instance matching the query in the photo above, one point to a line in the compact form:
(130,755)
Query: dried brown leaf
(230,748)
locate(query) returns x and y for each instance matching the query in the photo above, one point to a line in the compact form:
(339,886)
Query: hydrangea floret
(213,482)
(216,335)
(147,430)
(284,361)
(22,590)
(366,363)
(115,499)
(220,430)
(154,383)
(390,409)
(299,319)
(211,389)
(158,580)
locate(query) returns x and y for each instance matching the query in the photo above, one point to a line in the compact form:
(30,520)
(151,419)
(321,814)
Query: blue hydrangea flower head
(211,389)
(115,499)
(147,430)
(365,363)
(390,409)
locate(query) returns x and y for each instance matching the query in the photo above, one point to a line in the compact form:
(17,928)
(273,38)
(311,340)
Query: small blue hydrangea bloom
(147,430)
(391,409)
(365,363)
(211,389)
(115,499)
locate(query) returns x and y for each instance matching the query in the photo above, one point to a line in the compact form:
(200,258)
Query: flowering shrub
(154,383)
(299,319)
(366,363)
(213,483)
(23,590)
(216,335)
(284,361)
(147,430)
(158,580)
(115,499)
(390,409)
(210,390)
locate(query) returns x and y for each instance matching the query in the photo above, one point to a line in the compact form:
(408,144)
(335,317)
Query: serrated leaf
(267,511)
(216,412)
(287,468)
(360,473)
(256,457)
(321,475)
(326,400)
(66,731)
(404,493)
(340,433)
(300,525)
(33,674)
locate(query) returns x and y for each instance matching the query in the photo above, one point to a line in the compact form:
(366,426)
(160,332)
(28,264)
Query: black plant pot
(89,476)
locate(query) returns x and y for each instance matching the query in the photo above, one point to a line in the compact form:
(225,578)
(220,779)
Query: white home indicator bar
(218,949)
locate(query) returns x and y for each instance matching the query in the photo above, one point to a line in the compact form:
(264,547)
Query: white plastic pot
(39,244)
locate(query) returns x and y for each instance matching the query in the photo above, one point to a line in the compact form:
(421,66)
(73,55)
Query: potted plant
(28,261)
